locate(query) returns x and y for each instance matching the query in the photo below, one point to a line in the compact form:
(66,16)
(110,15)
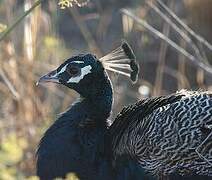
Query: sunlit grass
(70,3)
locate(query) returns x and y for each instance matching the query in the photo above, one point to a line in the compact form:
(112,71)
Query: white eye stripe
(78,62)
(84,71)
(62,70)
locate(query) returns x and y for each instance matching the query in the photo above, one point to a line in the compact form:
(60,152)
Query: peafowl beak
(49,77)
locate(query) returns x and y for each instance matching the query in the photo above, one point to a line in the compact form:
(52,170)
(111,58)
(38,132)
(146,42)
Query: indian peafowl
(156,138)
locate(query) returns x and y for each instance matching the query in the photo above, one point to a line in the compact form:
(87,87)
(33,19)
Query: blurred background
(170,38)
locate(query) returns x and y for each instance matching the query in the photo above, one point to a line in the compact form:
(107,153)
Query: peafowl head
(85,72)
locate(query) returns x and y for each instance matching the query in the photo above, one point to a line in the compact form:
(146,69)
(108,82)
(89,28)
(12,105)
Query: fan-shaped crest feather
(123,61)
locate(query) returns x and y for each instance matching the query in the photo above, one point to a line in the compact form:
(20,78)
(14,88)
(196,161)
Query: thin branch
(162,58)
(182,67)
(9,29)
(176,74)
(188,29)
(202,50)
(172,72)
(169,41)
(9,85)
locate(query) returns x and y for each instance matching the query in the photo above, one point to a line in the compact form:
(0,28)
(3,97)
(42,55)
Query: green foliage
(72,176)
(32,178)
(11,153)
(12,150)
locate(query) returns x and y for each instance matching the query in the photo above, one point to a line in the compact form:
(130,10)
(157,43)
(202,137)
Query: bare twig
(9,85)
(182,79)
(158,34)
(178,30)
(162,57)
(188,29)
(182,67)
(203,54)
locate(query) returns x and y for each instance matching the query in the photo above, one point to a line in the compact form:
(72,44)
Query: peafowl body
(78,140)
(74,143)
(156,138)
(168,135)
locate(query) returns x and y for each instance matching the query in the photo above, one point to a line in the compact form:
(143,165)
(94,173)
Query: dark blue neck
(75,142)
(97,97)
(99,101)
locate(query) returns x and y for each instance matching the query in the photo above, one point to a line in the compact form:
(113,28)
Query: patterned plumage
(168,134)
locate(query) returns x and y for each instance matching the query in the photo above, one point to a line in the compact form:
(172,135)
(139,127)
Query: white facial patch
(84,71)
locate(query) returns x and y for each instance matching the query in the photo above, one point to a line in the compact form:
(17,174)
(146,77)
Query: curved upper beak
(49,77)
